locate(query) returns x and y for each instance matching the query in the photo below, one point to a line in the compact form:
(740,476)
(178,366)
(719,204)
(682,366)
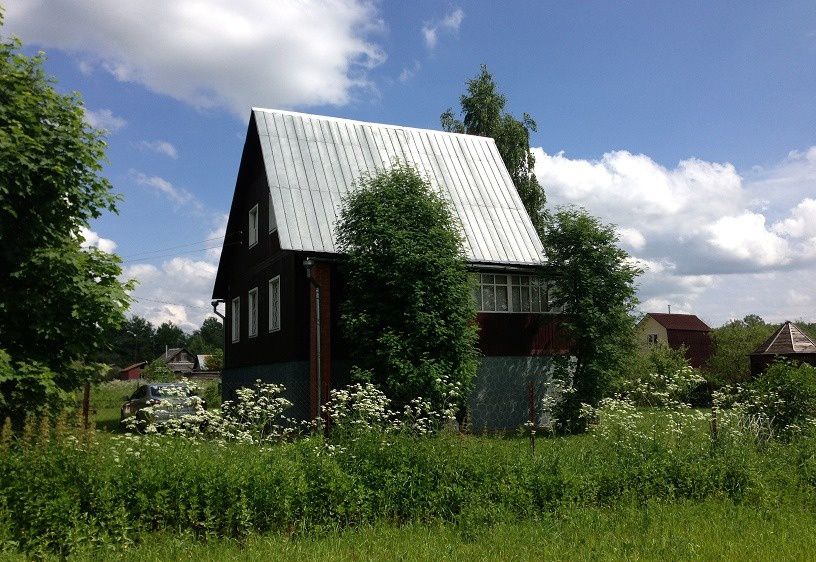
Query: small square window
(652,339)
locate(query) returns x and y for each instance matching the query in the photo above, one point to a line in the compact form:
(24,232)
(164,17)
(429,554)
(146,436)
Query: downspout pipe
(215,309)
(308,263)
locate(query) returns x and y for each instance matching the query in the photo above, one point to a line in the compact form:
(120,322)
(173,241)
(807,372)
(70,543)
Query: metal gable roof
(312,161)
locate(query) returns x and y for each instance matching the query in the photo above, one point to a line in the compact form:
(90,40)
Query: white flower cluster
(757,414)
(669,391)
(363,407)
(255,417)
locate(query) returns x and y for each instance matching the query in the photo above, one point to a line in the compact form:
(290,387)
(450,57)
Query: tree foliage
(408,314)
(57,299)
(732,343)
(595,283)
(484,115)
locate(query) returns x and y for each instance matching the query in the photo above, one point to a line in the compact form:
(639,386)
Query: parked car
(159,402)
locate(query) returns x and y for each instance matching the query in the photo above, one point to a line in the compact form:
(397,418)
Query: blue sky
(689,125)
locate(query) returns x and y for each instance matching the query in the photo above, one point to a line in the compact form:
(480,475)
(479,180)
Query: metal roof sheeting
(312,161)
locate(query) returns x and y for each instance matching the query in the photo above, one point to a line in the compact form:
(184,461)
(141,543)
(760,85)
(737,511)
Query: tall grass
(77,491)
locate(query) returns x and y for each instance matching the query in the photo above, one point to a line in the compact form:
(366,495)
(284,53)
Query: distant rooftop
(687,322)
(787,339)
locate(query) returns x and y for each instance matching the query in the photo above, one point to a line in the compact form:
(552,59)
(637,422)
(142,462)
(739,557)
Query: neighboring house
(179,360)
(790,342)
(677,330)
(133,371)
(278,271)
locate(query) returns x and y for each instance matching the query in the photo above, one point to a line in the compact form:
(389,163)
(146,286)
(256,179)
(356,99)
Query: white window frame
(252,312)
(273,222)
(275,304)
(236,319)
(253,228)
(514,287)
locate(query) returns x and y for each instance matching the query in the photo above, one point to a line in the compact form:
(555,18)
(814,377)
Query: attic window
(253,226)
(236,319)
(273,223)
(511,293)
(252,312)
(652,339)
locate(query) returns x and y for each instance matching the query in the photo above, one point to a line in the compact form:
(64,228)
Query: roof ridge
(359,122)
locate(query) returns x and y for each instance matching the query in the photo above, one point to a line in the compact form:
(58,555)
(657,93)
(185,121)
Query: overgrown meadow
(244,471)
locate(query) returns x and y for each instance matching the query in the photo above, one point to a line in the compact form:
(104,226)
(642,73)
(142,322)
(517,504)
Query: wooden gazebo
(790,342)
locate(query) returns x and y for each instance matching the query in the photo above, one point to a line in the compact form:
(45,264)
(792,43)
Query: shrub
(786,395)
(408,314)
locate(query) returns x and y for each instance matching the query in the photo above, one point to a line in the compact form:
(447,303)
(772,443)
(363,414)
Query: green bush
(786,395)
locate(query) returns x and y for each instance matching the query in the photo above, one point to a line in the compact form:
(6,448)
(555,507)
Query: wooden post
(86,404)
(713,413)
(532,409)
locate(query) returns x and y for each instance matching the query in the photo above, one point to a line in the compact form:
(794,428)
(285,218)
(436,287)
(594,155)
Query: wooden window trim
(252,295)
(252,211)
(276,327)
(235,319)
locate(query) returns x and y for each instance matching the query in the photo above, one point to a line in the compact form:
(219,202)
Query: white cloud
(159,147)
(632,238)
(93,240)
(176,194)
(216,53)
(745,238)
(178,291)
(104,119)
(409,71)
(448,24)
(701,229)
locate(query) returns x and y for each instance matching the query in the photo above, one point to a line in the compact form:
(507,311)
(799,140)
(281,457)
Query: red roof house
(678,330)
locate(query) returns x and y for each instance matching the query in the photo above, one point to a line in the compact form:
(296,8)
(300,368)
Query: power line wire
(164,255)
(138,299)
(147,252)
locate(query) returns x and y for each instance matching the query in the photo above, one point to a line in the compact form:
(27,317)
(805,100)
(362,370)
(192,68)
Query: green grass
(709,530)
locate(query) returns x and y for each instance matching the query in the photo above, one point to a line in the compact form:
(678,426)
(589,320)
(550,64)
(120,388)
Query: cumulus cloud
(699,227)
(104,119)
(159,147)
(450,23)
(93,240)
(178,291)
(216,53)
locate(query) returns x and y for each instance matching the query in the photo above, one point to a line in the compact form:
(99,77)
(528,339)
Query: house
(789,342)
(278,271)
(677,330)
(132,372)
(179,360)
